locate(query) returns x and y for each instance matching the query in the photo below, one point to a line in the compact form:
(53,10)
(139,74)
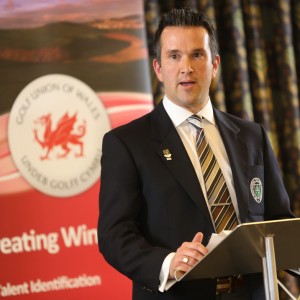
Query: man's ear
(216,64)
(157,68)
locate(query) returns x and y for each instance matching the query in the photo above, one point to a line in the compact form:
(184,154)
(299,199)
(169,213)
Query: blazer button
(146,289)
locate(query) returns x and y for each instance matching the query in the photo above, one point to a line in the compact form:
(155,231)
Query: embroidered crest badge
(256,189)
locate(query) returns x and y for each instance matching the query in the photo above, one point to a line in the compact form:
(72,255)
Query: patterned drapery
(259,80)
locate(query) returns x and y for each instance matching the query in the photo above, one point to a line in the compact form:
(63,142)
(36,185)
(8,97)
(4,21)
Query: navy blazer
(150,204)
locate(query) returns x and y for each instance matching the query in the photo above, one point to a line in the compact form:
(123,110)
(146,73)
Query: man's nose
(186,66)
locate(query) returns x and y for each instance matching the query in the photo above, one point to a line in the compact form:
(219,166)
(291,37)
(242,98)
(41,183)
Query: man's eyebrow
(199,50)
(173,51)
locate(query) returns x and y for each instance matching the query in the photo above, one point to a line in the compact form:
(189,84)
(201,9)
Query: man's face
(186,67)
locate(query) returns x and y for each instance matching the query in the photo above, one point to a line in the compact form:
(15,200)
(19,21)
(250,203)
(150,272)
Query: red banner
(69,72)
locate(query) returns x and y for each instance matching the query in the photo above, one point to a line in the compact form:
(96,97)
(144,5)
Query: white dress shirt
(187,133)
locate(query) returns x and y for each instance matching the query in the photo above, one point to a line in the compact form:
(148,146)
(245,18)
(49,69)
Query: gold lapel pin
(167,154)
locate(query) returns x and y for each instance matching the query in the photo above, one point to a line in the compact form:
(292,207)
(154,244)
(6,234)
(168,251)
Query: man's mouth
(187,83)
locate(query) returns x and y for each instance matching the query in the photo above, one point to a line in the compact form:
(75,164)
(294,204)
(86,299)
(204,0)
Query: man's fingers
(188,254)
(198,237)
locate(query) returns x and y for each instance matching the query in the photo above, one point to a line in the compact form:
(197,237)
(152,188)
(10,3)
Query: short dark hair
(185,18)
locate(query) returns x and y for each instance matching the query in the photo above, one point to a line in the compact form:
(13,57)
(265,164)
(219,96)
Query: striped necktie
(219,199)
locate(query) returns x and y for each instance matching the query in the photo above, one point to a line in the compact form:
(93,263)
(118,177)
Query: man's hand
(187,255)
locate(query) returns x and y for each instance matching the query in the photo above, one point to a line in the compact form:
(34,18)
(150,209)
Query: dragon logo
(62,136)
(55,130)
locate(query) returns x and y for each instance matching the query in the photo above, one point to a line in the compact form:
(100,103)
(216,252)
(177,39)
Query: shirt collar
(179,114)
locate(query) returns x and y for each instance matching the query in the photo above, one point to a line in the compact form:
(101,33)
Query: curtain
(259,78)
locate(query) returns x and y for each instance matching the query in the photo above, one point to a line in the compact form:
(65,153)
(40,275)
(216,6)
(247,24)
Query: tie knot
(196,121)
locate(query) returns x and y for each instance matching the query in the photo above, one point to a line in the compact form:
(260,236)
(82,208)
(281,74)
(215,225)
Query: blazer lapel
(237,152)
(172,152)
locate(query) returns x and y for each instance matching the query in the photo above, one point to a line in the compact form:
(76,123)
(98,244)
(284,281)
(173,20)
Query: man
(155,213)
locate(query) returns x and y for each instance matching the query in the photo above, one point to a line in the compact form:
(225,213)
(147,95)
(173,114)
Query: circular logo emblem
(256,189)
(55,130)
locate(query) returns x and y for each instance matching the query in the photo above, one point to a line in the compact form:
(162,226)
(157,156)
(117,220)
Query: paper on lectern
(216,239)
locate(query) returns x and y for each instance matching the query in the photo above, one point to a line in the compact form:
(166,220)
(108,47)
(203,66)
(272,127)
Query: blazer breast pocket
(256,205)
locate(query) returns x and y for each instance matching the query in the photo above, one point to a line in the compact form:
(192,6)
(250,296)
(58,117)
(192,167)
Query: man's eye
(174,56)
